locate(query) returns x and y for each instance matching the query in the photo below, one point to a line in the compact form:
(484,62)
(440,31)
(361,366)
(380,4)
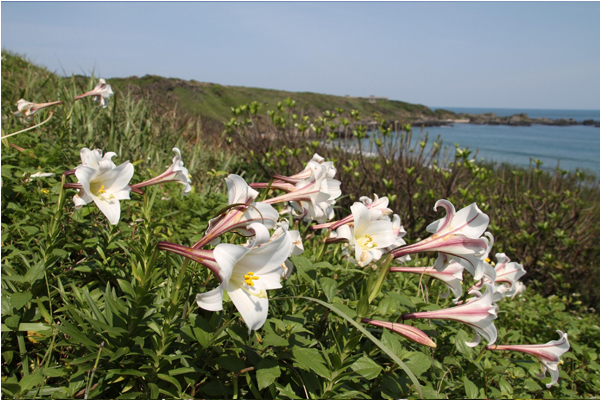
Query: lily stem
(89,384)
(30,128)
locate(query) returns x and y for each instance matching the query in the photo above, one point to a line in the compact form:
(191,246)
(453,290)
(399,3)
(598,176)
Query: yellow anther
(101,191)
(487,260)
(249,278)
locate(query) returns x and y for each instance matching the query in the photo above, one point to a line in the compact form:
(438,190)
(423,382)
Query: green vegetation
(91,310)
(214,101)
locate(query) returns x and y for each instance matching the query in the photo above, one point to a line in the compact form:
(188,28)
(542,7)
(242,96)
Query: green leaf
(132,372)
(31,380)
(329,287)
(272,339)
(505,387)
(76,335)
(34,326)
(267,372)
(362,308)
(230,363)
(311,360)
(461,345)
(531,385)
(54,372)
(119,353)
(170,379)
(287,391)
(153,390)
(184,370)
(417,362)
(384,348)
(390,340)
(11,323)
(60,253)
(8,356)
(32,230)
(470,389)
(366,368)
(19,300)
(344,308)
(131,395)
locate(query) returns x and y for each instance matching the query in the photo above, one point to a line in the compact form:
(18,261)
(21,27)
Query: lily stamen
(366,242)
(249,278)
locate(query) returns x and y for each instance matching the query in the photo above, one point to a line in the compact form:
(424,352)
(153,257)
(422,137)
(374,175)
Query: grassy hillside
(214,101)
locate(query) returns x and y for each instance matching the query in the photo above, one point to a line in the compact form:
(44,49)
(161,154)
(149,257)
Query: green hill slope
(214,101)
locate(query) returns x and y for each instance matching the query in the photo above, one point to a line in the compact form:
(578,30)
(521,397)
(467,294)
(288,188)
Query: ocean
(574,147)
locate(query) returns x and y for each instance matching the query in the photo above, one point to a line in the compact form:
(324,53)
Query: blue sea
(574,147)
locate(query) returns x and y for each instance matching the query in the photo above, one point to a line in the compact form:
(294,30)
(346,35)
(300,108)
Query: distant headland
(512,120)
(213,102)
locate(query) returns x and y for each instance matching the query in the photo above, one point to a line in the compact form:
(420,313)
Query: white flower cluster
(246,272)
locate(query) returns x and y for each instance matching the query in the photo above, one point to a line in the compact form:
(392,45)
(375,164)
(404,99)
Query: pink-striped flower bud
(409,332)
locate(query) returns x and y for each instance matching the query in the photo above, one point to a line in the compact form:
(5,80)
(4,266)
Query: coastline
(513,120)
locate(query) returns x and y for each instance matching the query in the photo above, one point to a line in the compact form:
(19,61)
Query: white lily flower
(478,313)
(399,233)
(94,159)
(548,354)
(176,172)
(104,185)
(41,174)
(247,272)
(378,209)
(317,163)
(101,92)
(27,109)
(239,217)
(367,237)
(457,237)
(297,249)
(312,192)
(505,276)
(508,273)
(519,289)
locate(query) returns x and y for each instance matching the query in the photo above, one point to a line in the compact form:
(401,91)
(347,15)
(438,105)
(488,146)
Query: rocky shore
(493,119)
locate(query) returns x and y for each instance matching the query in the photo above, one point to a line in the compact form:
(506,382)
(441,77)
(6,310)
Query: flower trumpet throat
(366,242)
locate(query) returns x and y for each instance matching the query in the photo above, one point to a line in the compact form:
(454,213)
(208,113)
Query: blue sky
(454,54)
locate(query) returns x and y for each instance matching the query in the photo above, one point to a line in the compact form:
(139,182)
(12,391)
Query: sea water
(571,147)
(575,146)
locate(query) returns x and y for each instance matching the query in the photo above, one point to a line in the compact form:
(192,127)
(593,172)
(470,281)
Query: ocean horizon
(570,147)
(552,113)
